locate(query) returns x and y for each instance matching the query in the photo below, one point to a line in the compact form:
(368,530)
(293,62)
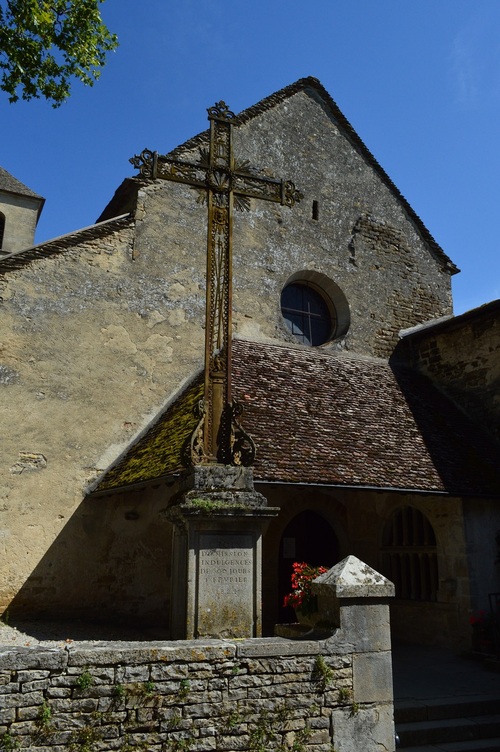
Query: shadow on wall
(463,454)
(110,563)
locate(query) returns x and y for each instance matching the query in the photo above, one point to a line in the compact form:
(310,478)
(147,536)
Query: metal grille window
(307,314)
(409,556)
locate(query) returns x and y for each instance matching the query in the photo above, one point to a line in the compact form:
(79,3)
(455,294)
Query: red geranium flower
(301,597)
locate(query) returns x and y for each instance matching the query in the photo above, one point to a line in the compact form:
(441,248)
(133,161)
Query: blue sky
(419,80)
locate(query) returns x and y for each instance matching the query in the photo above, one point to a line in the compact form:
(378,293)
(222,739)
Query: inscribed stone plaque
(226,585)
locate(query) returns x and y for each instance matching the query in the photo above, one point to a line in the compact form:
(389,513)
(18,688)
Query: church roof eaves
(50,247)
(330,419)
(314,84)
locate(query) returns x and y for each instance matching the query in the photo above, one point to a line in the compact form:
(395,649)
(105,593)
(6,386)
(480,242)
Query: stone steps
(479,745)
(468,724)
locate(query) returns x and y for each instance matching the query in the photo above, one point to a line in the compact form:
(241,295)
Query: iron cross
(224,184)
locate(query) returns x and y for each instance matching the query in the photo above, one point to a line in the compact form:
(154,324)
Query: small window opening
(315,210)
(2,228)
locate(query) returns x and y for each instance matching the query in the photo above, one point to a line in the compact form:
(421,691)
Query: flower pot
(308,619)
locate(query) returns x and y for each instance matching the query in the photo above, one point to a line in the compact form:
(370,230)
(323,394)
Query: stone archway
(307,537)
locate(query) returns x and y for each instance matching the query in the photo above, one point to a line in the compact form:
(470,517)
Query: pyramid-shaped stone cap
(352,578)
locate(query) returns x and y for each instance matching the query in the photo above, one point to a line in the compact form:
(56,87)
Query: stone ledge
(33,658)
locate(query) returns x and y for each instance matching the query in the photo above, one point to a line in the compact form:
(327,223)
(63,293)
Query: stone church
(373,410)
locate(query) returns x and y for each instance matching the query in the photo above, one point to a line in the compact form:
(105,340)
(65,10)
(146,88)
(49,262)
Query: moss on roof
(159,452)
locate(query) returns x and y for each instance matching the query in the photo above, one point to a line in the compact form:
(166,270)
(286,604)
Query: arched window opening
(314,308)
(307,314)
(409,555)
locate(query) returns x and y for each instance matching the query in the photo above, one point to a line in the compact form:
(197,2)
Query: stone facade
(364,239)
(102,329)
(358,519)
(462,357)
(20,217)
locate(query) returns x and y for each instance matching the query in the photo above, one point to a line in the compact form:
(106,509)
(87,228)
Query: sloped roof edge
(123,199)
(315,85)
(448,323)
(10,184)
(50,247)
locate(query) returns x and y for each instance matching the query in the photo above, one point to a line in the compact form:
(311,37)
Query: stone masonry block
(372,677)
(370,729)
(365,625)
(32,658)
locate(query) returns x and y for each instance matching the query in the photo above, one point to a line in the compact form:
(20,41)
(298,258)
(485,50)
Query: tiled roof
(334,419)
(9,183)
(161,450)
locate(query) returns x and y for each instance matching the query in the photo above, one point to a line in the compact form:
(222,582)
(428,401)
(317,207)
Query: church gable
(352,228)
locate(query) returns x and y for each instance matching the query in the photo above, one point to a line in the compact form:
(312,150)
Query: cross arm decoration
(225,185)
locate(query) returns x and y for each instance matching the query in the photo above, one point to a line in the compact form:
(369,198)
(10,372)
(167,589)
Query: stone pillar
(355,598)
(217,554)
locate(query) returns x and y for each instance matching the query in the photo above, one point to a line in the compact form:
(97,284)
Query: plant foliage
(45,45)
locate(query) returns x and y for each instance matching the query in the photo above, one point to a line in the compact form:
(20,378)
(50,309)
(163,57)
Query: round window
(307,314)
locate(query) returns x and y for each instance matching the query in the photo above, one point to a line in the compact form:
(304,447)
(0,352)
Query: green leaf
(46,46)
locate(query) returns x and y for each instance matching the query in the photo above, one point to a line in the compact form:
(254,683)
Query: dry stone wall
(327,689)
(192,696)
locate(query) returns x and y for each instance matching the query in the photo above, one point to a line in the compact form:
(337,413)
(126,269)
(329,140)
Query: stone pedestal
(217,553)
(356,598)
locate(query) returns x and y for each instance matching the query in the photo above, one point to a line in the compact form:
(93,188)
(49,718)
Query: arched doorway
(307,537)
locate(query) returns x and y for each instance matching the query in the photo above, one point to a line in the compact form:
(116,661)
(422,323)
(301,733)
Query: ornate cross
(223,184)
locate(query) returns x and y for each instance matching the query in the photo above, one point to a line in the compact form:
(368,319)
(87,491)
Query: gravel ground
(51,633)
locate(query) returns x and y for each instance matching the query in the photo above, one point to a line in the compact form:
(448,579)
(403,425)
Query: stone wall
(306,695)
(187,696)
(465,556)
(90,349)
(363,239)
(462,355)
